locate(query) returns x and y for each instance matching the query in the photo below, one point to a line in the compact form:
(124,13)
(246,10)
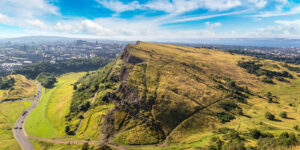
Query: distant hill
(167,94)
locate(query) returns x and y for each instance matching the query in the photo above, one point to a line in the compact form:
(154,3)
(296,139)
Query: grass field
(47,119)
(9,113)
(22,88)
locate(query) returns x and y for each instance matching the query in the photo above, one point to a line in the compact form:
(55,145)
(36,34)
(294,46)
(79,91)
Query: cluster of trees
(74,65)
(231,139)
(254,67)
(291,60)
(284,140)
(46,79)
(6,83)
(225,117)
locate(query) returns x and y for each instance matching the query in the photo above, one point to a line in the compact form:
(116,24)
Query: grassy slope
(188,67)
(9,113)
(23,88)
(55,102)
(167,61)
(181,80)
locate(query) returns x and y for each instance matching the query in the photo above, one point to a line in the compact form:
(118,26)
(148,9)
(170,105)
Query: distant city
(13,56)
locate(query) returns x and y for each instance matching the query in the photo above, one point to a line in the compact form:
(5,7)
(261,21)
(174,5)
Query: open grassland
(9,113)
(47,119)
(22,88)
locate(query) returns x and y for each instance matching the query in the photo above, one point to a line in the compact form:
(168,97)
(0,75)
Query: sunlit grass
(9,113)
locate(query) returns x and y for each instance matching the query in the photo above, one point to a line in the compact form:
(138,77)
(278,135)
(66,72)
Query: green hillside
(187,97)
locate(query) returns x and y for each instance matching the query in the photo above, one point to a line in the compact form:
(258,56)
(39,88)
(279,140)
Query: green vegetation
(254,67)
(6,83)
(46,79)
(55,102)
(21,88)
(269,116)
(76,65)
(283,115)
(9,113)
(133,100)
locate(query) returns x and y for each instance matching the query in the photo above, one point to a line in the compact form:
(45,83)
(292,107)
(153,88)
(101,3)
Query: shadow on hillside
(247,116)
(277,120)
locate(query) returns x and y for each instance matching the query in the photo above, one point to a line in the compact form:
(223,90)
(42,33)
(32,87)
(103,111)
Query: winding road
(18,129)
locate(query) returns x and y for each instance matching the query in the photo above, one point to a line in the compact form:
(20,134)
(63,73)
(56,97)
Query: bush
(224,117)
(269,116)
(283,115)
(267,80)
(6,83)
(296,127)
(228,106)
(255,134)
(67,129)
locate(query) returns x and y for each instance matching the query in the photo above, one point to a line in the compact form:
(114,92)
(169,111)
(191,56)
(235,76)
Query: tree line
(6,83)
(45,72)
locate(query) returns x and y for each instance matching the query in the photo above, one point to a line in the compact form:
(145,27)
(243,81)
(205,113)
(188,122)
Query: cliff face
(171,92)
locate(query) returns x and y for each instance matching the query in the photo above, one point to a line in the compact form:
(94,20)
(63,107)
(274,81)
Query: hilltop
(184,97)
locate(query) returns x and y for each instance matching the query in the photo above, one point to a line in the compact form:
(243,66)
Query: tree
(67,129)
(255,133)
(269,116)
(283,115)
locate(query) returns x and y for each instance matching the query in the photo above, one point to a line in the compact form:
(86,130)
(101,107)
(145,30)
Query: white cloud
(27,8)
(119,6)
(211,26)
(37,24)
(259,3)
(283,28)
(4,19)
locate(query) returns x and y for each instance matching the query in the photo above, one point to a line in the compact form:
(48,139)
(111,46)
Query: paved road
(18,129)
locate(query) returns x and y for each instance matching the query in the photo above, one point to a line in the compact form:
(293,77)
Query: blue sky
(155,20)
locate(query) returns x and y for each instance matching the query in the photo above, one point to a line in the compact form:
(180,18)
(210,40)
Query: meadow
(47,119)
(9,113)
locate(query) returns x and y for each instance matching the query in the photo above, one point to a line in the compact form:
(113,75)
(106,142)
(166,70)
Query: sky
(151,20)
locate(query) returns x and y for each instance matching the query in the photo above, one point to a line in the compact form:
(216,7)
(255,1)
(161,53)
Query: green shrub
(228,106)
(267,80)
(67,129)
(296,127)
(224,117)
(255,134)
(269,116)
(6,83)
(283,115)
